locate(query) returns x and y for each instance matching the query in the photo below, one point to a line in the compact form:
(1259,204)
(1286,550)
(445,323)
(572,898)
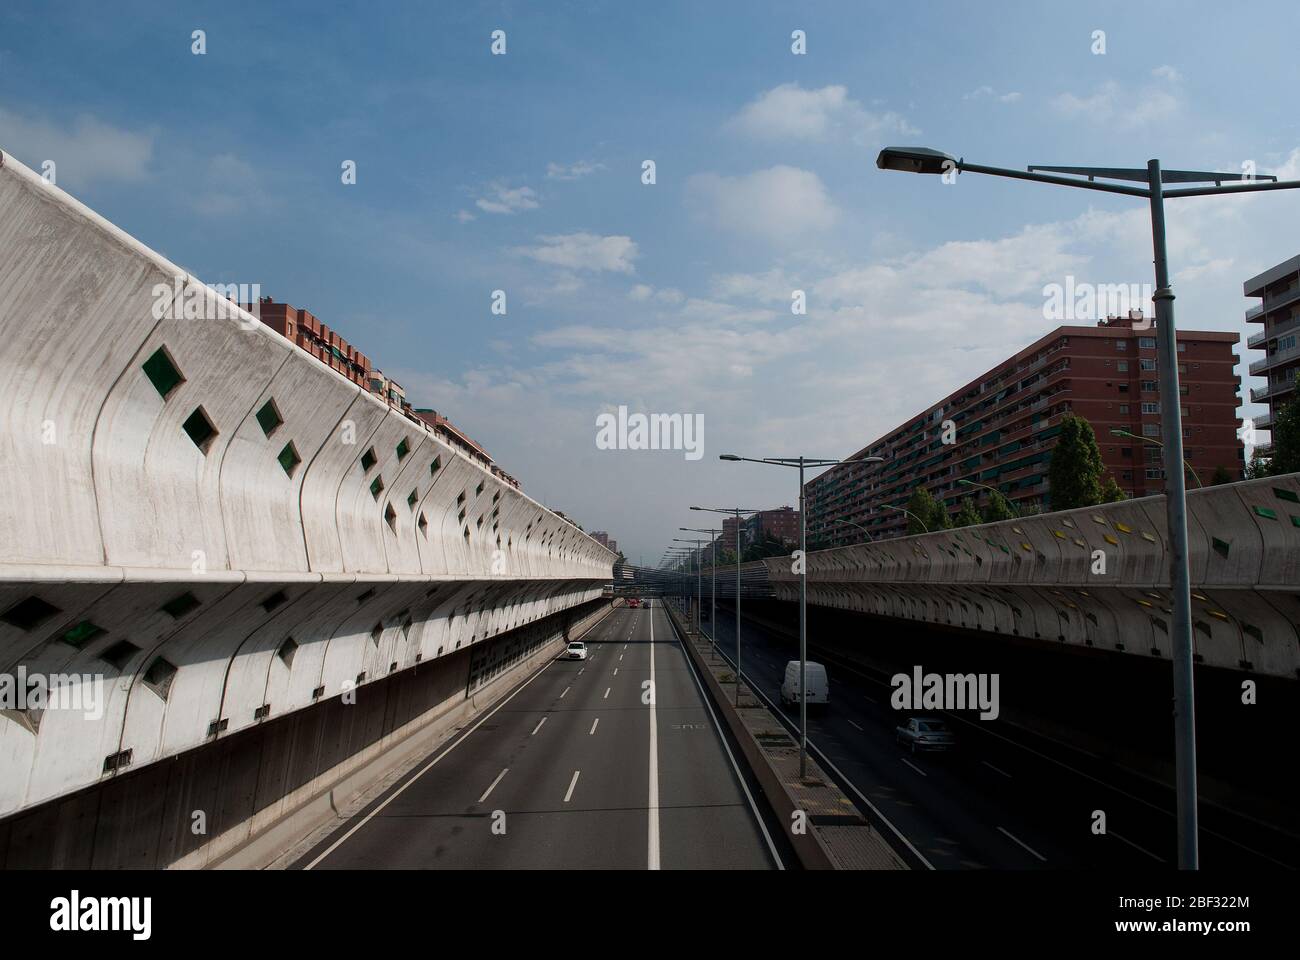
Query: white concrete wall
(1034,578)
(108,510)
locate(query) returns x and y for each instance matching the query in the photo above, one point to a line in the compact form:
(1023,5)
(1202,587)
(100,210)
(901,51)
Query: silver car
(926,733)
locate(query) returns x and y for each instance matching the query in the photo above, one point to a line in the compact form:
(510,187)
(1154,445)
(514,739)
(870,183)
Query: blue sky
(522,172)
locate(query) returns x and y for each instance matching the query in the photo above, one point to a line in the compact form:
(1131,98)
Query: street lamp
(802,463)
(852,524)
(713,578)
(699,574)
(1116,432)
(890,506)
(736,512)
(1153,178)
(1010,503)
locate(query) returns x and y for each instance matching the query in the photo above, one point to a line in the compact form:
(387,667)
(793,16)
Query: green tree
(1286,440)
(1221,476)
(998,508)
(968,516)
(1074,475)
(920,511)
(1110,491)
(1257,467)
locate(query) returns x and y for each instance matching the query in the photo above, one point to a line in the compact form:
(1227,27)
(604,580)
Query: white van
(819,688)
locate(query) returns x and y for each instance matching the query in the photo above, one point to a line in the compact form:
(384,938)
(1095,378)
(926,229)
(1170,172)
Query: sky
(524,172)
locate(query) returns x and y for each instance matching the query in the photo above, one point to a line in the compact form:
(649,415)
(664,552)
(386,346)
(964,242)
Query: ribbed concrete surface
(290,586)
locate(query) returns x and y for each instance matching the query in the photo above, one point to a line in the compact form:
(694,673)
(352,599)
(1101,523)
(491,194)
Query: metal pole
(803,634)
(699,582)
(737,608)
(1176,506)
(713,592)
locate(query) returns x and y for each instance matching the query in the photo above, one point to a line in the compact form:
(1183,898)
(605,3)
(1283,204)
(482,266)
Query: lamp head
(915,160)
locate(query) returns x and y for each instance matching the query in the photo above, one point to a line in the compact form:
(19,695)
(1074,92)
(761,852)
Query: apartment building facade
(1279,339)
(999,430)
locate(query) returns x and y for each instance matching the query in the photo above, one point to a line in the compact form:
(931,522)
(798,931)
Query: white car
(577,651)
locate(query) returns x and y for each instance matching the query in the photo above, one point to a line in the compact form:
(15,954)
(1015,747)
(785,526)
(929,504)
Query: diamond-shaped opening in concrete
(403,448)
(120,653)
(268,418)
(179,606)
(436,465)
(274,600)
(287,650)
(158,677)
(377,486)
(82,634)
(28,613)
(390,515)
(424,526)
(368,460)
(162,372)
(199,428)
(289,459)
(413,499)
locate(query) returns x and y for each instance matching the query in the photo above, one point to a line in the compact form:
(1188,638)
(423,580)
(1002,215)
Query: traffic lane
(1039,806)
(938,821)
(706,822)
(431,817)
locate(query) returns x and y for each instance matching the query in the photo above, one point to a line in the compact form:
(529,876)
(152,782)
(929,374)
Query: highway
(1007,798)
(577,768)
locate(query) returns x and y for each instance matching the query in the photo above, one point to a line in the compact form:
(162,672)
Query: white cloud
(779,203)
(1113,106)
(1167,72)
(84,152)
(503,199)
(464,216)
(789,112)
(584,251)
(640,292)
(230,187)
(574,171)
(980,93)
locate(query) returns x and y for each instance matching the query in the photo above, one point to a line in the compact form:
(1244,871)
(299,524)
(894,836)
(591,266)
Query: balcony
(1271,390)
(1275,359)
(1289,325)
(1255,312)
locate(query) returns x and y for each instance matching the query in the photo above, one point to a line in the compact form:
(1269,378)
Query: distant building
(781,524)
(1279,312)
(1003,426)
(602,537)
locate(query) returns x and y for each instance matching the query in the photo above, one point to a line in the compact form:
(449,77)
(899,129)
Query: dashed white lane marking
(493,784)
(538,727)
(580,671)
(1025,845)
(606,696)
(854,724)
(868,699)
(593,726)
(914,767)
(566,690)
(995,769)
(568,795)
(1135,846)
(616,671)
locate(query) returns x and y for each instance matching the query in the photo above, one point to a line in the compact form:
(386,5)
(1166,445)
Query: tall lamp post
(736,512)
(858,525)
(1153,178)
(713,575)
(890,506)
(699,576)
(802,463)
(1010,503)
(1116,432)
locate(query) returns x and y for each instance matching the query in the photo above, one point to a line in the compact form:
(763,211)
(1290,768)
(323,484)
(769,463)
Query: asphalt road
(1006,799)
(579,768)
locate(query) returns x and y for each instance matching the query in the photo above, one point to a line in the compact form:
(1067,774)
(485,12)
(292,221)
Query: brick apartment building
(781,524)
(1279,312)
(1006,422)
(303,329)
(602,537)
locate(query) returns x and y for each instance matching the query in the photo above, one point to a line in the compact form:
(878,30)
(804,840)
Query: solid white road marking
(914,767)
(1025,845)
(652,837)
(593,726)
(493,784)
(572,783)
(538,727)
(995,769)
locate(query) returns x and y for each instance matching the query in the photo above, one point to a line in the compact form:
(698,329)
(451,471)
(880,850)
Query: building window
(1146,343)
(1123,408)
(1147,364)
(1121,344)
(1150,408)
(1123,388)
(1122,366)
(1182,348)
(1150,429)
(1150,386)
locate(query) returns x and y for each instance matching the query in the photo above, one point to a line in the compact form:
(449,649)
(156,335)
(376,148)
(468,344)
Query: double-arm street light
(1116,432)
(737,512)
(713,576)
(1153,178)
(803,463)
